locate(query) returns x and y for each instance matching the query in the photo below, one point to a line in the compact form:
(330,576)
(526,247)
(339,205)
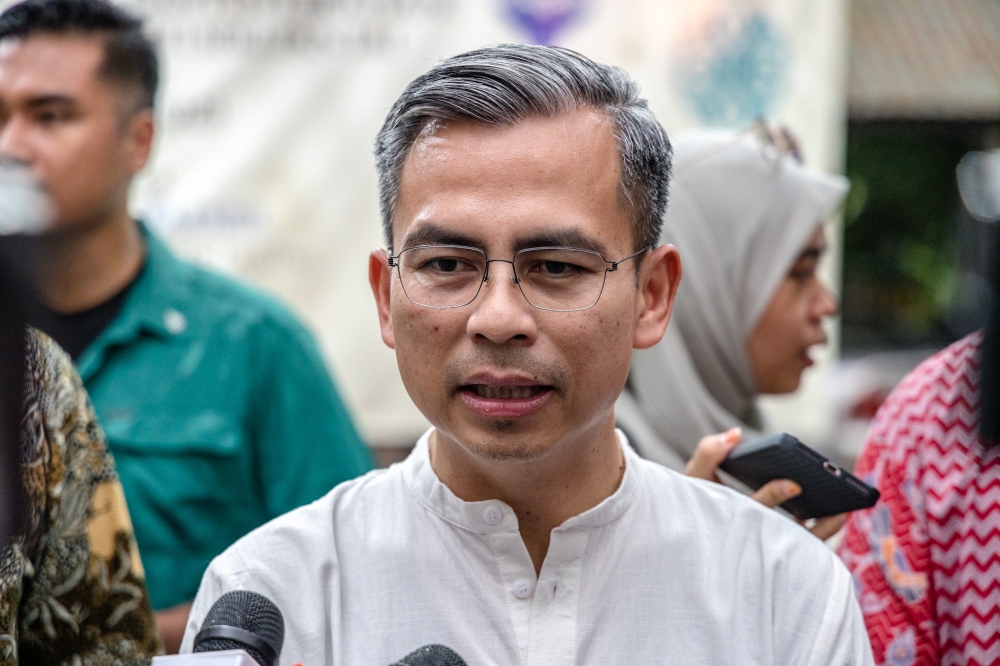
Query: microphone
(243,620)
(431,655)
(241,625)
(24,208)
(242,628)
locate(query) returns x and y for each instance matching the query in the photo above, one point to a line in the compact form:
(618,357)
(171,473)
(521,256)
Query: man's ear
(658,281)
(380,277)
(139,134)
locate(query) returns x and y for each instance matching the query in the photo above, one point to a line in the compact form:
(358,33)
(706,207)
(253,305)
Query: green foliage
(901,234)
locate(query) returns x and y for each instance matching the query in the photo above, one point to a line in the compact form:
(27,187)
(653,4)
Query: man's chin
(502,442)
(505,452)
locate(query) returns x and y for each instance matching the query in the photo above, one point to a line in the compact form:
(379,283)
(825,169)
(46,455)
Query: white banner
(263,165)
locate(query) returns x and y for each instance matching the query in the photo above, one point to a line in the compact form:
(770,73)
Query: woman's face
(779,345)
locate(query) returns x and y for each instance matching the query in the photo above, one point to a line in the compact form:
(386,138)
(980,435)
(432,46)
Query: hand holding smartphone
(827,489)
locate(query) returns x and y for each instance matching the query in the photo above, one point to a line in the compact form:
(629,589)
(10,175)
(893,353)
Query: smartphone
(827,489)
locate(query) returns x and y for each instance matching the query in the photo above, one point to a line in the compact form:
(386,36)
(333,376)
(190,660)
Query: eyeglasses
(559,279)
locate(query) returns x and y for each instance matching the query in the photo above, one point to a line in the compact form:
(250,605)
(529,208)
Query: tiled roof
(925,59)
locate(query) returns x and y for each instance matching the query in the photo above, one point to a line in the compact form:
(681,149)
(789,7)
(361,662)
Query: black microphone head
(243,620)
(432,655)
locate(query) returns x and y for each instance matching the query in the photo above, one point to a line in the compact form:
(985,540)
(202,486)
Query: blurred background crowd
(261,169)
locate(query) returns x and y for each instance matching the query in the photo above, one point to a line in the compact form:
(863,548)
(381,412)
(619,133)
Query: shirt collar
(155,305)
(480,517)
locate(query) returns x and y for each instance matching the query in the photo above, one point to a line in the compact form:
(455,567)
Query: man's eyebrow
(562,238)
(49,100)
(433,234)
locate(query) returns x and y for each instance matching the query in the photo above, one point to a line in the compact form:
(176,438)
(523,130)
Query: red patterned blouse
(926,558)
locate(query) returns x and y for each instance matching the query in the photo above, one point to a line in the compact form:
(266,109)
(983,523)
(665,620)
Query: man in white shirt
(523,190)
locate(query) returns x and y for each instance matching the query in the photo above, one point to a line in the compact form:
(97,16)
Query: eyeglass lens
(550,278)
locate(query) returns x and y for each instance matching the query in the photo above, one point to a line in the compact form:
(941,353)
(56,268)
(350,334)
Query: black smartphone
(827,489)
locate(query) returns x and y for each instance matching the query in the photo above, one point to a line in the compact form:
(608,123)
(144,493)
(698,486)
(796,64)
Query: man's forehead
(560,171)
(534,152)
(49,64)
(469,136)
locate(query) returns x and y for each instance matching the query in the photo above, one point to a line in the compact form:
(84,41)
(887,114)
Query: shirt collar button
(492,515)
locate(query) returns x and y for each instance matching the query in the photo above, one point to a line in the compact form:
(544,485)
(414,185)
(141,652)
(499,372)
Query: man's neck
(544,493)
(79,269)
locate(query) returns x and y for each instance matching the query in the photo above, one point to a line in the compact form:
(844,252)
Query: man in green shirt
(216,402)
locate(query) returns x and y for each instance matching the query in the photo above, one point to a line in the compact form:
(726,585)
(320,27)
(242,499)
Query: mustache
(522,360)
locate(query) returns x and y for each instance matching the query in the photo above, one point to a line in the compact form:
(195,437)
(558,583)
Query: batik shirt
(72,588)
(926,557)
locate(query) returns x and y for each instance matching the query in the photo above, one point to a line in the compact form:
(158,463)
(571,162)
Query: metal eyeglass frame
(394,263)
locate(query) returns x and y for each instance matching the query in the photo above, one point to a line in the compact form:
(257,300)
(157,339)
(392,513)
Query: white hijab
(740,215)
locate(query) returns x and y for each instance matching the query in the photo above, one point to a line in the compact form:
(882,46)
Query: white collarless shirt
(668,570)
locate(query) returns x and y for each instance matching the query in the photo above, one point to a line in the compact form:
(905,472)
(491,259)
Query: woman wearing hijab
(747,218)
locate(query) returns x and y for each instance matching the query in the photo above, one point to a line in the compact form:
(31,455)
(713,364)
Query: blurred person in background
(216,402)
(72,587)
(748,219)
(926,557)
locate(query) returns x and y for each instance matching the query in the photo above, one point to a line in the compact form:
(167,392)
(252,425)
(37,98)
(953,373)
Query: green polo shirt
(220,414)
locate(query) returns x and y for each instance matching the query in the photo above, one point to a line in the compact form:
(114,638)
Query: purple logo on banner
(542,19)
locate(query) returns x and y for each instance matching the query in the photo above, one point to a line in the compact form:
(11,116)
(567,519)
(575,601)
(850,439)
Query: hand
(713,449)
(171,623)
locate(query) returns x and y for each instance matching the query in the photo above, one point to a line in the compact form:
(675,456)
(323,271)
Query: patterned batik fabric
(72,588)
(926,557)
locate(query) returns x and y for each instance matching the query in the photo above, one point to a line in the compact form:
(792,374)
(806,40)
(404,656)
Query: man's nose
(500,312)
(13,143)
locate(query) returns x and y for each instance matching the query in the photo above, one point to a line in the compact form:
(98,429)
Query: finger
(711,451)
(827,527)
(775,492)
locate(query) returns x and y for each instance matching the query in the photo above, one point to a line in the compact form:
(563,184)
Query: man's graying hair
(503,85)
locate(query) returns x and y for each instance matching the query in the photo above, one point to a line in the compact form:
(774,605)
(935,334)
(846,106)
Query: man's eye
(50,117)
(555,269)
(445,265)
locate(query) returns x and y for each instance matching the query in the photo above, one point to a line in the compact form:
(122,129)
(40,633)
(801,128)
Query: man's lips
(500,397)
(504,392)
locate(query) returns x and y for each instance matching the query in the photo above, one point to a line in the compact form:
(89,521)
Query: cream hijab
(740,214)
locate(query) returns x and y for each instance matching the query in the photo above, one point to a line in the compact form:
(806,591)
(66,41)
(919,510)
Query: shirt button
(523,588)
(492,515)
(174,321)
